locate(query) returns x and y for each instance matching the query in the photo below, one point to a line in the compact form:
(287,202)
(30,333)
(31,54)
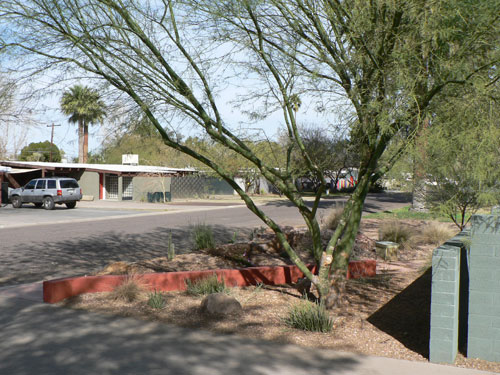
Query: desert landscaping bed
(387,315)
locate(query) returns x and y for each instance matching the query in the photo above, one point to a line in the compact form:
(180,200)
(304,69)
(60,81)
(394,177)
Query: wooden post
(51,141)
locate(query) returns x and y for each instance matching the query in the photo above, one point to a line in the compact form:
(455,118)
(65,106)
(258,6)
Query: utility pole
(51,140)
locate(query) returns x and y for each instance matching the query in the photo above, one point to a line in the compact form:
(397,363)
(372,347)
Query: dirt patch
(384,316)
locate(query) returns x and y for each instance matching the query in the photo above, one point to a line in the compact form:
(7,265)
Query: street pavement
(44,339)
(88,211)
(104,210)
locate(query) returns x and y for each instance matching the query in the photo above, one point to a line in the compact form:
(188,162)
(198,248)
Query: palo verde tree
(84,106)
(333,155)
(462,152)
(15,118)
(387,61)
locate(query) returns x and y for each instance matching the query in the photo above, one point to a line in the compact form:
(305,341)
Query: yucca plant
(156,300)
(203,237)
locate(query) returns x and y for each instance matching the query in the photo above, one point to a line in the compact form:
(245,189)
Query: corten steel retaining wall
(57,290)
(465,302)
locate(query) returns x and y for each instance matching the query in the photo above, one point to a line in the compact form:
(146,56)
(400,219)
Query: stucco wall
(89,182)
(151,188)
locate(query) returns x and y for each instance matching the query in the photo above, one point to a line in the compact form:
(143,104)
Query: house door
(111,186)
(127,188)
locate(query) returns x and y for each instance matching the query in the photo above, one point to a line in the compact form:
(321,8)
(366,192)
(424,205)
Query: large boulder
(220,304)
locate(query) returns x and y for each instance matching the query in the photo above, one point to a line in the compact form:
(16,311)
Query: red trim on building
(101,185)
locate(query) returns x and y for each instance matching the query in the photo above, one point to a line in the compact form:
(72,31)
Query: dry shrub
(332,218)
(128,290)
(396,231)
(436,233)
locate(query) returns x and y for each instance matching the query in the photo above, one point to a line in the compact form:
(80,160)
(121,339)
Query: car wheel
(38,204)
(48,203)
(71,204)
(16,201)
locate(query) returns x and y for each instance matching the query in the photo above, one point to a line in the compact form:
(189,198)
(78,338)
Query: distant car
(48,192)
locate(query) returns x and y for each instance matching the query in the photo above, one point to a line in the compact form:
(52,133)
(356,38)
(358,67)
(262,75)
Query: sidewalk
(44,339)
(158,206)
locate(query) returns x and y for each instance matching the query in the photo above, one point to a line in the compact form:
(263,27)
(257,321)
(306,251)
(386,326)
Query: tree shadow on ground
(406,317)
(66,341)
(374,203)
(75,257)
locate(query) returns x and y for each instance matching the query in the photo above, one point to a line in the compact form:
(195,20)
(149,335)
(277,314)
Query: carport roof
(104,168)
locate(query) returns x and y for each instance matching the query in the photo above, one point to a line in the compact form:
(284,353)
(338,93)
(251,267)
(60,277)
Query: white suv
(48,192)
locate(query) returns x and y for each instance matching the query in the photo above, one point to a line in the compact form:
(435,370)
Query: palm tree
(84,106)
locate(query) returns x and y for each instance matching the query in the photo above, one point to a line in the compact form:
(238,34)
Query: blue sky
(66,137)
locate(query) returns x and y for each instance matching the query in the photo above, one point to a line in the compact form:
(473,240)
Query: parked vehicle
(48,192)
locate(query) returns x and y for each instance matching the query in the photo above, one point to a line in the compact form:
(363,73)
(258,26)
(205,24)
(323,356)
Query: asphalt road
(77,242)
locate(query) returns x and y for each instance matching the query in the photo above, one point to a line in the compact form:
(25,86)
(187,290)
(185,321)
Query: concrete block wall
(484,289)
(443,346)
(198,186)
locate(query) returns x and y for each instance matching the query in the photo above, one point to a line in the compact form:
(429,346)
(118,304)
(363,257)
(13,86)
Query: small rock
(220,304)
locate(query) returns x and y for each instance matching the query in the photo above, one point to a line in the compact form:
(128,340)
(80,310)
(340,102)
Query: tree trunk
(419,194)
(85,142)
(333,269)
(80,141)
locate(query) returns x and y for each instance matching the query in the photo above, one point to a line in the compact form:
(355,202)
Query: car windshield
(68,184)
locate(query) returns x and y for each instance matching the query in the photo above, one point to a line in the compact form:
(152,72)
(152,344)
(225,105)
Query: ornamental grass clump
(332,218)
(156,300)
(204,286)
(128,290)
(436,233)
(395,231)
(203,236)
(309,316)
